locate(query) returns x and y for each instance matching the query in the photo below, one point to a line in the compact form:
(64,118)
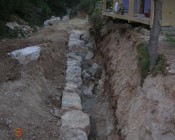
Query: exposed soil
(30,95)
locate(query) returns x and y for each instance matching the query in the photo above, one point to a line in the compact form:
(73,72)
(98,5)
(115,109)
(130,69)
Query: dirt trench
(119,108)
(125,110)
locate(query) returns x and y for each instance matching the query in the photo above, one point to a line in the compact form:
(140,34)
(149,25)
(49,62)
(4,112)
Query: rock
(94,69)
(71,101)
(171,71)
(90,46)
(73,59)
(74,39)
(12,25)
(89,55)
(73,72)
(26,55)
(72,134)
(65,18)
(57,112)
(85,37)
(71,87)
(86,75)
(27,28)
(87,91)
(76,119)
(73,75)
(52,21)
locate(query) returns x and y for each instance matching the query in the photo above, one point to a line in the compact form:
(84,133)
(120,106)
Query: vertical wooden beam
(151,13)
(104,5)
(131,8)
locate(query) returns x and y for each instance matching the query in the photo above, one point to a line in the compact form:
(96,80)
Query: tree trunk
(155,32)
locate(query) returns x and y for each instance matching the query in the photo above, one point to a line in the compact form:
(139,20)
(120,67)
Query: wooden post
(131,8)
(104,5)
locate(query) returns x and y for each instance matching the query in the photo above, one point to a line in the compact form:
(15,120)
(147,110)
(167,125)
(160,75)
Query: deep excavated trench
(86,77)
(104,74)
(109,86)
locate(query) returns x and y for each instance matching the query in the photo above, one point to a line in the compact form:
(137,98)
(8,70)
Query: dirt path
(30,95)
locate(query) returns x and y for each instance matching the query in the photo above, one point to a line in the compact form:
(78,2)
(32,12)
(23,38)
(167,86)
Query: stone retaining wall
(75,123)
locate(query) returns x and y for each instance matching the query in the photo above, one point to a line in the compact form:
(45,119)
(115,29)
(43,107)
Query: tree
(155,32)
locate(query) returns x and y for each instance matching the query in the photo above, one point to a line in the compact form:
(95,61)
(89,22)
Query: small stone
(89,55)
(94,69)
(86,75)
(87,91)
(171,71)
(57,112)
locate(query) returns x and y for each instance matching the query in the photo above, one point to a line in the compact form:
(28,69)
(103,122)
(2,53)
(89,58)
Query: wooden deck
(136,18)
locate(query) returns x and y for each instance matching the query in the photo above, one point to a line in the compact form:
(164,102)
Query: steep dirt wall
(142,113)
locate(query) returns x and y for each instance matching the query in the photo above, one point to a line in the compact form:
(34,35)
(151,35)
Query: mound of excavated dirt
(30,95)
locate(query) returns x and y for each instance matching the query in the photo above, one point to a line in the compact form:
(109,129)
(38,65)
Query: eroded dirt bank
(141,113)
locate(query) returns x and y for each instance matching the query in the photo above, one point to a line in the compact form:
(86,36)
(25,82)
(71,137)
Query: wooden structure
(133,14)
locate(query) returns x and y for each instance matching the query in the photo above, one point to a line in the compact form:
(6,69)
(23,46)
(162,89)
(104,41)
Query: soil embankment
(142,112)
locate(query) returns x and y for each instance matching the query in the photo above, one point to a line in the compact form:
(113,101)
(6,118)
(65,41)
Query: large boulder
(65,18)
(73,75)
(72,134)
(71,87)
(76,119)
(52,21)
(12,25)
(71,101)
(26,55)
(73,59)
(74,40)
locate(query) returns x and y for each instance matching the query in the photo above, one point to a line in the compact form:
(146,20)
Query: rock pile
(22,30)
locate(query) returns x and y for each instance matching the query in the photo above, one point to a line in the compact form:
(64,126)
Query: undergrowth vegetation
(170,38)
(144,63)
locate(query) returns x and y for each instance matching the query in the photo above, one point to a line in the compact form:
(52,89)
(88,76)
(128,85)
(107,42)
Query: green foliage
(160,68)
(109,3)
(34,11)
(170,39)
(96,20)
(144,62)
(87,5)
